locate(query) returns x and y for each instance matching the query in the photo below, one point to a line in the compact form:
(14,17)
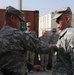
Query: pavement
(41,73)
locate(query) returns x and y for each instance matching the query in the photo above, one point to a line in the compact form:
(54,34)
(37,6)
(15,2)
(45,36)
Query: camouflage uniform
(44,57)
(64,63)
(31,33)
(65,56)
(52,56)
(31,55)
(53,39)
(13,47)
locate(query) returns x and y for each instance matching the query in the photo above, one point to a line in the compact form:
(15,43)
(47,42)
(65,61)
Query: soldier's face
(17,22)
(28,28)
(61,22)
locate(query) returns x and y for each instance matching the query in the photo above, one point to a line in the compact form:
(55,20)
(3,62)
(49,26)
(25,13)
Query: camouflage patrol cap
(54,30)
(64,10)
(12,10)
(28,23)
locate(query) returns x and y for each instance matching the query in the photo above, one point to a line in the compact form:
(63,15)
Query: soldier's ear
(12,17)
(67,18)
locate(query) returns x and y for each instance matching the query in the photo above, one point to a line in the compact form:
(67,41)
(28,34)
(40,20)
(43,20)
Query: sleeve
(71,48)
(32,44)
(29,65)
(35,35)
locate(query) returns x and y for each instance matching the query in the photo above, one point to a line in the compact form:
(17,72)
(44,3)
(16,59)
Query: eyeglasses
(28,26)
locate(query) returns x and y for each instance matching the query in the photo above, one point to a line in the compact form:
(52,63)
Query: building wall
(2,18)
(44,23)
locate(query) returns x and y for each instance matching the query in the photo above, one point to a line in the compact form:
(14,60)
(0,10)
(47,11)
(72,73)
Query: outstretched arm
(33,44)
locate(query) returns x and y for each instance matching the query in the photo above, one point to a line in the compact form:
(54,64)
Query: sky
(44,6)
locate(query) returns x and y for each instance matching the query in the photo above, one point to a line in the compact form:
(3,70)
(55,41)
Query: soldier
(44,57)
(29,30)
(14,45)
(54,36)
(30,55)
(64,64)
(53,40)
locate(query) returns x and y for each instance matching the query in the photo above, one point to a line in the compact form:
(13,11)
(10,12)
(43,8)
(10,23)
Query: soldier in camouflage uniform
(12,48)
(29,30)
(14,45)
(53,40)
(44,57)
(54,36)
(64,64)
(30,55)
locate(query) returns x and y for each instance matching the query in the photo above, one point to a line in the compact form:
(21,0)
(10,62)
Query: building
(46,23)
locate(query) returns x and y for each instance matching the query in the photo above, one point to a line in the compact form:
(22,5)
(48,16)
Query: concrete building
(46,23)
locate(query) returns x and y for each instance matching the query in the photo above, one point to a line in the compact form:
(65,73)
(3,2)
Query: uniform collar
(64,32)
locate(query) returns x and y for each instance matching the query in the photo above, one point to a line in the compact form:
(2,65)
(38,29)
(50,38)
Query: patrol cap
(62,11)
(28,24)
(44,31)
(12,10)
(54,30)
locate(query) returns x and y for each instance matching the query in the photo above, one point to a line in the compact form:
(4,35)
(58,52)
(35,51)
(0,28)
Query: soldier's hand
(37,68)
(57,45)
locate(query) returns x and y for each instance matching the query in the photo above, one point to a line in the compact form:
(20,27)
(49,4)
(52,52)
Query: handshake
(39,67)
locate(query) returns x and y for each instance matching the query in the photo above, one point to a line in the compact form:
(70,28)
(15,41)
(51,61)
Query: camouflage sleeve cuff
(29,65)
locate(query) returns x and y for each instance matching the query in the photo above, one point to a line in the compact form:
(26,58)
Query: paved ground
(40,73)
